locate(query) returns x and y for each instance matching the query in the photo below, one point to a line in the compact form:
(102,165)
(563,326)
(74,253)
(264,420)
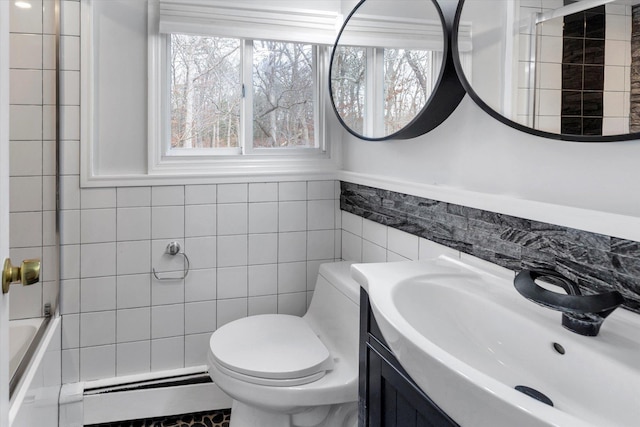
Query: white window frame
(301,162)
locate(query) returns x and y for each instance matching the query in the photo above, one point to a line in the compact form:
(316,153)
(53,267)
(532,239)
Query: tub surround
(597,262)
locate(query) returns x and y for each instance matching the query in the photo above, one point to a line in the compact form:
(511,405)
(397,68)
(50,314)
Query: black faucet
(582,314)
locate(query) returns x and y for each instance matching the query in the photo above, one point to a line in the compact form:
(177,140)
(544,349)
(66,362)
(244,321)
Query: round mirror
(387,67)
(553,68)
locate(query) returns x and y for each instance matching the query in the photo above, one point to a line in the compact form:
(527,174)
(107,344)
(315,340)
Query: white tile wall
(364,240)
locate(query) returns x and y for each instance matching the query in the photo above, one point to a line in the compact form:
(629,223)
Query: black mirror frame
(447,94)
(478,100)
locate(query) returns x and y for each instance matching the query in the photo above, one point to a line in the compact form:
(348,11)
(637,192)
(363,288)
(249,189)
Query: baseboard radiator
(140,396)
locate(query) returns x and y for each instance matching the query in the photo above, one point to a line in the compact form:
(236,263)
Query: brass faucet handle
(28,273)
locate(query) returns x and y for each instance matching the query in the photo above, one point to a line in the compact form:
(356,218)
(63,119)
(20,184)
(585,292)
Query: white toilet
(289,371)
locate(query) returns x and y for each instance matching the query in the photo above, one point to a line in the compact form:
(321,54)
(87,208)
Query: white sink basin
(467,338)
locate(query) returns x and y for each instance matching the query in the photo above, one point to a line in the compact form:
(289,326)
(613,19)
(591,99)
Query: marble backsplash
(596,262)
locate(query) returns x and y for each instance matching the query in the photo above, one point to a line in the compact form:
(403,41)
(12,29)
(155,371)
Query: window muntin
(243,96)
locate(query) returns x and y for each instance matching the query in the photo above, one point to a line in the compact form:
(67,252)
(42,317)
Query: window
(239,82)
(237,96)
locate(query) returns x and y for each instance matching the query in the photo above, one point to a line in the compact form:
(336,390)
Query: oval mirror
(554,68)
(389,65)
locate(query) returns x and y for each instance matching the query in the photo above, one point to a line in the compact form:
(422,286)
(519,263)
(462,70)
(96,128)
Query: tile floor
(201,419)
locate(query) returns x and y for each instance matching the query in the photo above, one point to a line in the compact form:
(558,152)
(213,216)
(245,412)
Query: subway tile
(97,225)
(69,158)
(129,197)
(200,285)
(200,317)
(313,267)
(168,291)
(352,223)
(49,117)
(70,365)
(372,252)
(263,279)
(292,277)
(97,362)
(293,304)
(134,223)
(167,353)
(292,216)
(70,331)
(167,321)
(200,220)
(49,185)
(428,249)
(267,304)
(69,296)
(351,247)
(200,194)
(263,217)
(69,88)
(49,59)
(69,261)
(201,252)
(25,158)
(133,291)
(288,191)
(98,259)
(320,190)
(233,193)
(263,248)
(97,328)
(26,301)
(133,324)
(69,192)
(374,232)
(26,229)
(70,53)
(292,246)
(320,244)
(25,51)
(195,349)
(26,87)
(133,358)
(321,214)
(403,243)
(26,122)
(232,282)
(69,122)
(263,192)
(69,227)
(167,195)
(98,198)
(232,250)
(228,310)
(167,222)
(48,17)
(26,20)
(232,219)
(70,22)
(98,294)
(25,194)
(133,257)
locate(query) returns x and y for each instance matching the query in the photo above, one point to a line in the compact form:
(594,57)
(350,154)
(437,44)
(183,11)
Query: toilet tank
(334,312)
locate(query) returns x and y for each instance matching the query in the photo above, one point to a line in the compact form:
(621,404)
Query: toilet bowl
(289,371)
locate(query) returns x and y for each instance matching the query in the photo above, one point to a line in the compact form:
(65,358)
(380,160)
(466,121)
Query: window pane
(348,85)
(283,86)
(205,92)
(407,86)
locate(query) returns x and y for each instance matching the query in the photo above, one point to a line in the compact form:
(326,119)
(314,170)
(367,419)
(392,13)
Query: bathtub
(22,333)
(35,360)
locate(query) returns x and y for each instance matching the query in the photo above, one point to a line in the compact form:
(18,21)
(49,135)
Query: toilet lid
(273,346)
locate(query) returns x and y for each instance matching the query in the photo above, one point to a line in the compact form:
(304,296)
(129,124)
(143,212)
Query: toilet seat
(270,349)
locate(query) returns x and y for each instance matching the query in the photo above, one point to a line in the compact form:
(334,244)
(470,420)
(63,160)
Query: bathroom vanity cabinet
(387,396)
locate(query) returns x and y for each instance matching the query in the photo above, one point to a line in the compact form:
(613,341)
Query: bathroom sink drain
(534,394)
